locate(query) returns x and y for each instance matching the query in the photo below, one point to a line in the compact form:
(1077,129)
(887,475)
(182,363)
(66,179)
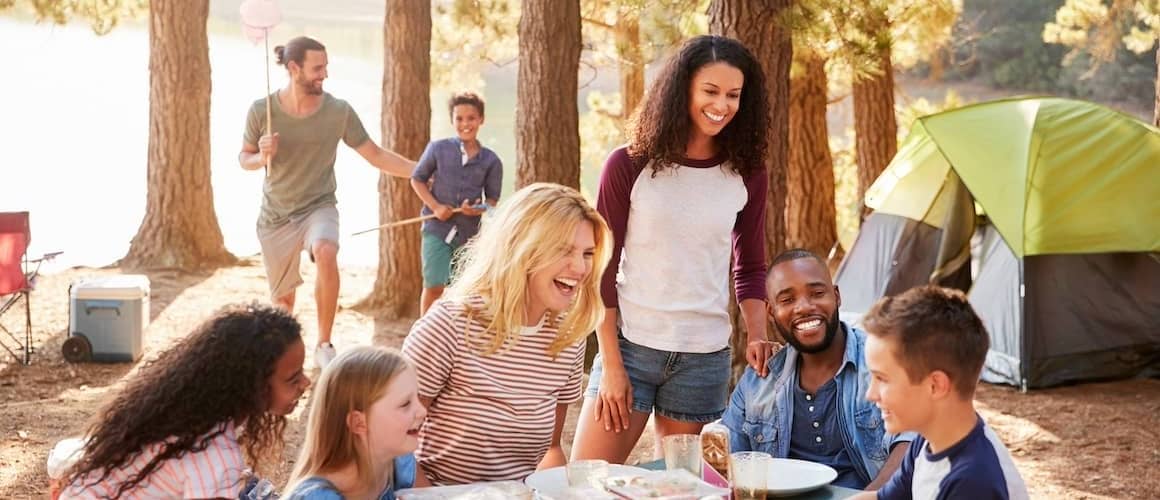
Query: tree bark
(547,115)
(631,64)
(406,129)
(180,229)
(810,214)
(937,65)
(1156,95)
(758,25)
(875,128)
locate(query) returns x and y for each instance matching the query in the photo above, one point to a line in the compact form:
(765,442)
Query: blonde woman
(363,427)
(500,356)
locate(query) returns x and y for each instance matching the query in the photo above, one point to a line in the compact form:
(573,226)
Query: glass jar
(715,447)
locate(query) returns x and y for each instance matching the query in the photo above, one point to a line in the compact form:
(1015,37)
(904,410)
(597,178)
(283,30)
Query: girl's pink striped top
(493,415)
(216,472)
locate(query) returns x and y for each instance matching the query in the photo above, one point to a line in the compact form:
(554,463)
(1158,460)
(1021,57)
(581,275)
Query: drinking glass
(749,470)
(683,452)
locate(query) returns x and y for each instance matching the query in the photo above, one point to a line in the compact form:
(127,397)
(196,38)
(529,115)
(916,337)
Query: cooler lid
(116,287)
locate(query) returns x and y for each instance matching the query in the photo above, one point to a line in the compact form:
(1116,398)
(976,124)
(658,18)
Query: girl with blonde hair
(500,356)
(364,424)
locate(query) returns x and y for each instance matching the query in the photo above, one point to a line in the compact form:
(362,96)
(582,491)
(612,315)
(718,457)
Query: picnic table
(828,492)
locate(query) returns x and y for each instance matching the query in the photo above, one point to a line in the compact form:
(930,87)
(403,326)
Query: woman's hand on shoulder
(758,352)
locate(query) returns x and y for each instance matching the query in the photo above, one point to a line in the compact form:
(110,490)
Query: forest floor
(1095,440)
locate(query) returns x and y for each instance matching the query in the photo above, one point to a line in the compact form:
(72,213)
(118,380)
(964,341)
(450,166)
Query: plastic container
(63,456)
(107,319)
(715,447)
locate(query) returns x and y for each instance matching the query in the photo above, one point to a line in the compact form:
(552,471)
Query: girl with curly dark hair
(179,427)
(683,198)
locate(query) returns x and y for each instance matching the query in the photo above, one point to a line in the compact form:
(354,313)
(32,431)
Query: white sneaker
(323,355)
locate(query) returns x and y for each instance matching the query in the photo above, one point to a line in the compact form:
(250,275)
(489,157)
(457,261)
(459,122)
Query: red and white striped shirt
(493,415)
(215,472)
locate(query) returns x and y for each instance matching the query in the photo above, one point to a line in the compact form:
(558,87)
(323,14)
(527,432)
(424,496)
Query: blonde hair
(353,381)
(525,234)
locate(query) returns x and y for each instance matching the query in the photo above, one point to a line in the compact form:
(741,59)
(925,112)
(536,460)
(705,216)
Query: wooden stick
(403,222)
(269,124)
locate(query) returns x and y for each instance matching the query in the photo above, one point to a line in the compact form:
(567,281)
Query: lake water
(74,132)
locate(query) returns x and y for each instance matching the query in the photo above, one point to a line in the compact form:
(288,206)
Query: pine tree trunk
(180,229)
(875,128)
(1156,95)
(547,115)
(406,128)
(757,25)
(938,65)
(631,64)
(810,215)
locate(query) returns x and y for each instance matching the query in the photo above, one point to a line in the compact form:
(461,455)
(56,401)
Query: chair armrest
(45,258)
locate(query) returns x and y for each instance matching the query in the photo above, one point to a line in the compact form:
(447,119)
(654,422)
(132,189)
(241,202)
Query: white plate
(554,481)
(789,477)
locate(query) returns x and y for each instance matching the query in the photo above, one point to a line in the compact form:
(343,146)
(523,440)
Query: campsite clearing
(1093,441)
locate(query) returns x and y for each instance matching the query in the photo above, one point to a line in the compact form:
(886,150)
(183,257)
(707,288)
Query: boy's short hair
(466,97)
(936,329)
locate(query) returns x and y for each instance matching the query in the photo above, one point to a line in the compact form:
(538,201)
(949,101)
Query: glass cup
(683,452)
(748,473)
(585,473)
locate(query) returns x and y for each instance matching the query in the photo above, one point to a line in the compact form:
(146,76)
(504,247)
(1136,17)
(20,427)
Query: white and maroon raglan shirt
(674,233)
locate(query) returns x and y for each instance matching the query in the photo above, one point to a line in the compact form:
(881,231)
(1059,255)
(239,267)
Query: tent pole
(1024,344)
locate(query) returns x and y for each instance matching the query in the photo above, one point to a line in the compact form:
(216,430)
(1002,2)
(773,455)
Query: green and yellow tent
(1062,201)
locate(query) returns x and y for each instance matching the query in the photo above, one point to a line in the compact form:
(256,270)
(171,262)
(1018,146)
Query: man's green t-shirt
(301,178)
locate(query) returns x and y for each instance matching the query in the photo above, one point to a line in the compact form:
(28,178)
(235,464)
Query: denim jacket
(760,412)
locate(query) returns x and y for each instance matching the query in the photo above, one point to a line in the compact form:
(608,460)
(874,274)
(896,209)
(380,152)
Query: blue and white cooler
(107,319)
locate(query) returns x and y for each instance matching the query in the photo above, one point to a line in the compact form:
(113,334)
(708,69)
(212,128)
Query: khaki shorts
(282,246)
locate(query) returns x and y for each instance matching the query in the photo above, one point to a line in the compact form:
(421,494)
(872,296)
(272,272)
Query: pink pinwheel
(254,34)
(259,17)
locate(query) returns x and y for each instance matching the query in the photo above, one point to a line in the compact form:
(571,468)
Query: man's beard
(832,325)
(310,87)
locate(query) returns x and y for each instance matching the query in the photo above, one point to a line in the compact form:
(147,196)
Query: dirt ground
(1087,441)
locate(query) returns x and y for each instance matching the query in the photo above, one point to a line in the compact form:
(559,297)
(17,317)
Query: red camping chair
(17,279)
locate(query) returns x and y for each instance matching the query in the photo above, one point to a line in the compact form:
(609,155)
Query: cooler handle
(89,309)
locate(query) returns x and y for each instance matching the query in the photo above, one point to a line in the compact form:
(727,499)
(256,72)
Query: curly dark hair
(659,130)
(465,97)
(218,374)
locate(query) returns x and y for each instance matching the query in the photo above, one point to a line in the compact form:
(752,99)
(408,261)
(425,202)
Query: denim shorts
(687,387)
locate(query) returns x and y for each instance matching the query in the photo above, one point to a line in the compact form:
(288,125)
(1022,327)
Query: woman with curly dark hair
(179,427)
(685,196)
